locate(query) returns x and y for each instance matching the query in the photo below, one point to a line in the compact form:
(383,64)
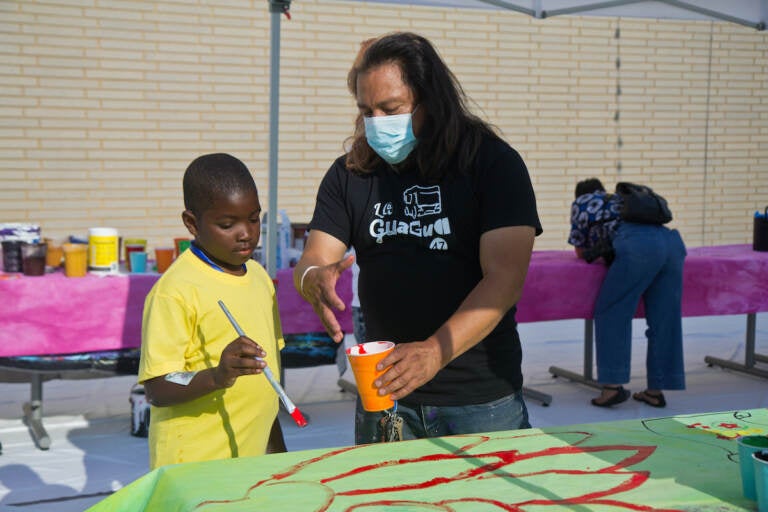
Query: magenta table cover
(53,314)
(717,280)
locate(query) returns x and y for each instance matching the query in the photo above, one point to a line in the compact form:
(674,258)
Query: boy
(202,380)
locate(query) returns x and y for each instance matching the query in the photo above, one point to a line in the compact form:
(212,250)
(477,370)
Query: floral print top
(594,217)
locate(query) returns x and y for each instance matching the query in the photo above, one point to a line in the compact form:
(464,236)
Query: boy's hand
(239,358)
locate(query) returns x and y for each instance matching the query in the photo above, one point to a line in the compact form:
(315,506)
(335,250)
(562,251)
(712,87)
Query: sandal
(621,395)
(652,399)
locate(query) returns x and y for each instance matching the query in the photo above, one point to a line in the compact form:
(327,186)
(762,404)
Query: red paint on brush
(299,418)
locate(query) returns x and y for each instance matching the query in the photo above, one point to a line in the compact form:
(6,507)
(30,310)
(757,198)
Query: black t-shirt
(417,246)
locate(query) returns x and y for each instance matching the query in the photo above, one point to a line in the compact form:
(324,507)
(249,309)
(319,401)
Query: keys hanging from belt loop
(392,426)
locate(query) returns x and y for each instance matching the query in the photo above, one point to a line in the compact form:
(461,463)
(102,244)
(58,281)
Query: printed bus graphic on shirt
(421,201)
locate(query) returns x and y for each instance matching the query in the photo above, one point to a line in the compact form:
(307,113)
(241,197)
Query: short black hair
(212,176)
(588,186)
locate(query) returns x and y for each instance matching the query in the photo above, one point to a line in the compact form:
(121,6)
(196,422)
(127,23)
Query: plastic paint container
(75,259)
(103,247)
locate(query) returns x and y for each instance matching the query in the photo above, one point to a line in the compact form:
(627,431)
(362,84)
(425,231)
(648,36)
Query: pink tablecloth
(58,315)
(54,314)
(717,280)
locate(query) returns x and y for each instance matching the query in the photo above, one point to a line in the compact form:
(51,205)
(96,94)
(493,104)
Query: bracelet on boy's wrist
(183,378)
(303,275)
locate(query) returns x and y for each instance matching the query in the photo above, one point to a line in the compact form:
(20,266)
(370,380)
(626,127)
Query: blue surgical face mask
(391,137)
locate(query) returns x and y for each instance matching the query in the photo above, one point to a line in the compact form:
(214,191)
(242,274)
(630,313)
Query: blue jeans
(649,264)
(420,421)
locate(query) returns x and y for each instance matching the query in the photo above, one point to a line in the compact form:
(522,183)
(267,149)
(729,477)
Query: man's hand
(318,287)
(412,365)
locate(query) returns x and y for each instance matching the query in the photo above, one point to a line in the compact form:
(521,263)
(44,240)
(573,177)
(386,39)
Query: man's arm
(315,276)
(504,257)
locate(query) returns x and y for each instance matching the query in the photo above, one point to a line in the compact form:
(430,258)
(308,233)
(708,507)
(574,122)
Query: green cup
(747,446)
(180,245)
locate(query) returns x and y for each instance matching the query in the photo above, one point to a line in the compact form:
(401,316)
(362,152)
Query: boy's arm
(276,443)
(238,358)
(162,393)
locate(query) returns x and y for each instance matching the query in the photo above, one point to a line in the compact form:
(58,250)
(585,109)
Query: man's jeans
(420,421)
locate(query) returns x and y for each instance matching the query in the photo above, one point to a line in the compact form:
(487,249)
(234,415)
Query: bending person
(645,260)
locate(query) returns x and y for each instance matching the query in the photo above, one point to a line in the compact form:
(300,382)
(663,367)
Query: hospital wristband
(301,282)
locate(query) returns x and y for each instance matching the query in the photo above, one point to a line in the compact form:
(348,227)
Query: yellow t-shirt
(184,329)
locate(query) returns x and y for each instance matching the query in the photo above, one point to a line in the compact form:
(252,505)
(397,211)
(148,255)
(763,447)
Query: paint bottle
(284,236)
(103,251)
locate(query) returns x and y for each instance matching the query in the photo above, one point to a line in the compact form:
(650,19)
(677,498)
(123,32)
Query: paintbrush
(289,405)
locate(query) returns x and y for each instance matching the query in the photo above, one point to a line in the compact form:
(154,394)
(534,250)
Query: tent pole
(276,8)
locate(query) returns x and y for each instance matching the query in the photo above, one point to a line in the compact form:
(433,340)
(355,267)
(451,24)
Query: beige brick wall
(103,103)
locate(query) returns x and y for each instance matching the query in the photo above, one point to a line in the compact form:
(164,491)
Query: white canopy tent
(749,13)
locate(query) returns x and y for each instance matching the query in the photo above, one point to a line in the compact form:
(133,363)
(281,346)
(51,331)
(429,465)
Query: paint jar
(747,445)
(760,463)
(760,231)
(180,245)
(75,259)
(103,250)
(133,245)
(284,238)
(139,412)
(54,255)
(163,258)
(137,262)
(12,255)
(33,258)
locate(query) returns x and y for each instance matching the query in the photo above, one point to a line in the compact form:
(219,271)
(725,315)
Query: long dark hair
(450,135)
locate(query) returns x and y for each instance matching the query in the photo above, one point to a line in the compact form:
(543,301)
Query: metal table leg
(33,413)
(544,398)
(346,385)
(585,377)
(749,357)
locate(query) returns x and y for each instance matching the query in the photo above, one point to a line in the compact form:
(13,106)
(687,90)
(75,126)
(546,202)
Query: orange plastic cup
(363,359)
(75,260)
(54,255)
(163,258)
